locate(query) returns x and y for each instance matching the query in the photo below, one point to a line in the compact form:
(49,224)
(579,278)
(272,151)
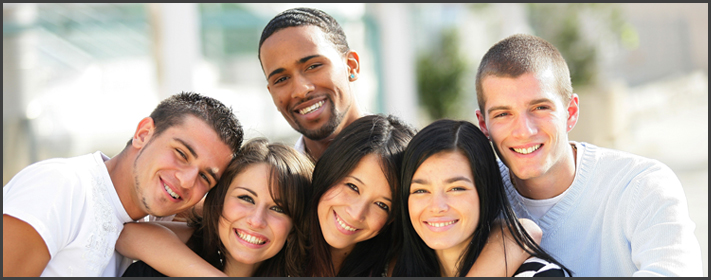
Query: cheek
(378,220)
(414,209)
(223,228)
(282,228)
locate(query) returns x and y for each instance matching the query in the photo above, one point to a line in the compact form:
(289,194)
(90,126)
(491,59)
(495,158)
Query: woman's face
(252,227)
(357,207)
(443,201)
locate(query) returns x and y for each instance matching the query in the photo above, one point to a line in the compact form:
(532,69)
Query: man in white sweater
(603,212)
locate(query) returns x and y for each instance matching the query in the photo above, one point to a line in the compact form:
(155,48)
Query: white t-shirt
(73,205)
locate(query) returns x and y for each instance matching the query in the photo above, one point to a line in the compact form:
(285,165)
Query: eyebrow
(458,178)
(250,191)
(361,182)
(302,60)
(192,151)
(448,181)
(535,101)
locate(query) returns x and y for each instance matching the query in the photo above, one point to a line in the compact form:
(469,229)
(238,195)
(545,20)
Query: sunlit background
(79,77)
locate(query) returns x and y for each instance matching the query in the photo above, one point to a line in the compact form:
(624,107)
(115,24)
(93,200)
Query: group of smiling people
(358,194)
(379,202)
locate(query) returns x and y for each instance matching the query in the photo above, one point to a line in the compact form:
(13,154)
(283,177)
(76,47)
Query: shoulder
(625,168)
(537,267)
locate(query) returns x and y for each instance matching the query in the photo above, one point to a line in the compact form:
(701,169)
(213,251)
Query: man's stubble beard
(137,184)
(328,128)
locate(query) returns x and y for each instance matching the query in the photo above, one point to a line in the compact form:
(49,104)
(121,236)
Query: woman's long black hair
(385,136)
(416,258)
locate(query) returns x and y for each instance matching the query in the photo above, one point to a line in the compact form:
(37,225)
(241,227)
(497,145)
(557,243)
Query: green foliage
(440,74)
(561,24)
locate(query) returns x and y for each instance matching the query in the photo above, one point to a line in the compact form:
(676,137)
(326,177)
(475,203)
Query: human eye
(277,209)
(204,177)
(542,107)
(182,154)
(458,189)
(383,206)
(499,115)
(313,66)
(246,198)
(279,80)
(353,187)
(418,191)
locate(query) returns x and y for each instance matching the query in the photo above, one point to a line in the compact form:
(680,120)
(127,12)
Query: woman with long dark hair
(452,200)
(352,208)
(247,227)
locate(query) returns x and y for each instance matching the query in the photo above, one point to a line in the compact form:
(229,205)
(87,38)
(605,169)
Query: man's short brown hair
(520,54)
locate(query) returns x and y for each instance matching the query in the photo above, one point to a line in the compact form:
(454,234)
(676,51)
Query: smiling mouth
(343,224)
(250,238)
(528,150)
(312,108)
(171,192)
(441,224)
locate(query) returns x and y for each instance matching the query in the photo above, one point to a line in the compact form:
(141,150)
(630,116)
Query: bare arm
(24,252)
(491,260)
(162,246)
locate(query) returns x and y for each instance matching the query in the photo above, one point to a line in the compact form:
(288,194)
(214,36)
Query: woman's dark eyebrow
(250,191)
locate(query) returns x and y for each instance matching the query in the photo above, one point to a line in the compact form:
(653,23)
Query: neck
(315,148)
(120,170)
(338,256)
(237,269)
(448,259)
(558,179)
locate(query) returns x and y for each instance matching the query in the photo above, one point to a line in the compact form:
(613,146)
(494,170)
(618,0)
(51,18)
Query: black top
(141,269)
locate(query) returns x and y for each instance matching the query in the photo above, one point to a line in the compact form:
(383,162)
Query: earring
(352,76)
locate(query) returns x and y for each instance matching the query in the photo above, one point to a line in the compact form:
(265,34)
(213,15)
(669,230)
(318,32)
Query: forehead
(369,171)
(254,177)
(445,164)
(505,90)
(294,43)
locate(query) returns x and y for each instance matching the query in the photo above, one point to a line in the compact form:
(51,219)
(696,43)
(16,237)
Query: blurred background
(79,77)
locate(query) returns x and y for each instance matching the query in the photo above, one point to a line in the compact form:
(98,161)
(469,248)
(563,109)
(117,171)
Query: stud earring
(352,76)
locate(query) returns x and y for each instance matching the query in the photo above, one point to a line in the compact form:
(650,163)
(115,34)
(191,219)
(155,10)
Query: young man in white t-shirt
(602,212)
(61,217)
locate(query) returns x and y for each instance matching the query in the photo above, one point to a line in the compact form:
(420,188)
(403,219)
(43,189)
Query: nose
(358,210)
(302,86)
(187,176)
(438,203)
(258,218)
(523,127)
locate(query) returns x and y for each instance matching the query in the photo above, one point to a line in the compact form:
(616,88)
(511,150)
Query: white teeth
(442,224)
(311,108)
(528,150)
(344,225)
(250,238)
(170,192)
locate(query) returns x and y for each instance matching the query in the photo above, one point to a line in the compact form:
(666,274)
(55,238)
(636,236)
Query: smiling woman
(247,227)
(452,200)
(355,184)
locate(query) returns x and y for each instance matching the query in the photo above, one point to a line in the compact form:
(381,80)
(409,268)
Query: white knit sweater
(624,215)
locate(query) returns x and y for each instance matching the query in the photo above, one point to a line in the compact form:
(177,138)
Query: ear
(482,123)
(143,133)
(573,112)
(353,63)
